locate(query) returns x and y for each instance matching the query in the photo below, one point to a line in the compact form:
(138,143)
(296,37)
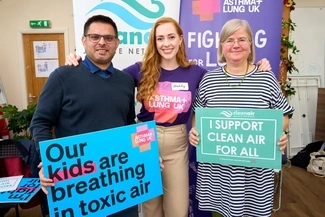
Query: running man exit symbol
(40,24)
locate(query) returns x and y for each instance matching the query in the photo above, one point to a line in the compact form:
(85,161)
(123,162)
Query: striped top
(259,90)
(236,191)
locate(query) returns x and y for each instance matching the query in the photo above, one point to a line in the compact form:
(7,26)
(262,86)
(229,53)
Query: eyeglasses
(241,42)
(95,38)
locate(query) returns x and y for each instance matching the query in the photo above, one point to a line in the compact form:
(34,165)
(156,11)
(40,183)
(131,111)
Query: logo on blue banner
(125,10)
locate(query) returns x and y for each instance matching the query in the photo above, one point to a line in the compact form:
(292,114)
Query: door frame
(21,61)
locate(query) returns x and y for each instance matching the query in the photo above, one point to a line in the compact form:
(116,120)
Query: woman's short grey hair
(228,29)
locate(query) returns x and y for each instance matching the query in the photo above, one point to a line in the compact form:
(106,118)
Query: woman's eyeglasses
(240,42)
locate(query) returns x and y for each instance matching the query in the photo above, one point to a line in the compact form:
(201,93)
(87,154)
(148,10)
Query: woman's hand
(45,182)
(264,65)
(161,163)
(72,59)
(193,137)
(283,141)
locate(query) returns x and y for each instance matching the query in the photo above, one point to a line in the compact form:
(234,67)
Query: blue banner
(202,20)
(100,173)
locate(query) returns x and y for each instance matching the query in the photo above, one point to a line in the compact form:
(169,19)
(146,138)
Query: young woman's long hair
(151,69)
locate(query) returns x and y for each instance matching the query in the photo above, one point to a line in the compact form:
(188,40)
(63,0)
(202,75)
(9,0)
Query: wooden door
(34,82)
(320,115)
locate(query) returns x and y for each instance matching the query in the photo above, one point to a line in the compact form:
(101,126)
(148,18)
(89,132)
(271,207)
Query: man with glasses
(91,97)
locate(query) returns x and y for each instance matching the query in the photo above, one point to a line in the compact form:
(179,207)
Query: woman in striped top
(235,191)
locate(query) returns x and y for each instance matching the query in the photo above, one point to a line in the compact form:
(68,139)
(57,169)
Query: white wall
(311,58)
(15,16)
(309,17)
(310,3)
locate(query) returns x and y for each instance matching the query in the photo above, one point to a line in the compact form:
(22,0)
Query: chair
(278,183)
(23,161)
(9,150)
(278,189)
(9,206)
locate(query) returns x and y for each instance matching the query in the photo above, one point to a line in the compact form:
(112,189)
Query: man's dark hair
(99,19)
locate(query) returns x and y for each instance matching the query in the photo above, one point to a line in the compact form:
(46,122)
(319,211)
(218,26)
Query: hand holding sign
(45,182)
(283,141)
(193,137)
(242,137)
(124,173)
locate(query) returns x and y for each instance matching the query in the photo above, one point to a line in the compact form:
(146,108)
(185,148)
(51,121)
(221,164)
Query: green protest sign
(242,137)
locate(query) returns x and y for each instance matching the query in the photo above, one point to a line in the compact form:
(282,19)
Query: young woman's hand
(264,65)
(72,59)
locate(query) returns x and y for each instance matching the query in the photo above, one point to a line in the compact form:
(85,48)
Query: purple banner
(202,20)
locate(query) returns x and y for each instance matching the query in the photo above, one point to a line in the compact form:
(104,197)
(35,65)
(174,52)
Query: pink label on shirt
(168,103)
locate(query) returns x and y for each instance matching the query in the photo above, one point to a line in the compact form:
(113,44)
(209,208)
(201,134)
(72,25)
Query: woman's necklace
(230,85)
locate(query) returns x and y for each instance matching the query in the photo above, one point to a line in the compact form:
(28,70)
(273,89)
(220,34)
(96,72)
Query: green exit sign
(40,24)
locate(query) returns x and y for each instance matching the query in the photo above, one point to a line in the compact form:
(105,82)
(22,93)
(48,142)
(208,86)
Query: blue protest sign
(25,191)
(103,172)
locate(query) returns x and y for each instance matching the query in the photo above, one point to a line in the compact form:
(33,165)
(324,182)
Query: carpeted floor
(32,212)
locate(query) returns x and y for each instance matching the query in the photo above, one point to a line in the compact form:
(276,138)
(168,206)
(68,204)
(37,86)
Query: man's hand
(45,182)
(161,163)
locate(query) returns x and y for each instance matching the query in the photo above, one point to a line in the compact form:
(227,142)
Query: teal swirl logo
(129,17)
(228,114)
